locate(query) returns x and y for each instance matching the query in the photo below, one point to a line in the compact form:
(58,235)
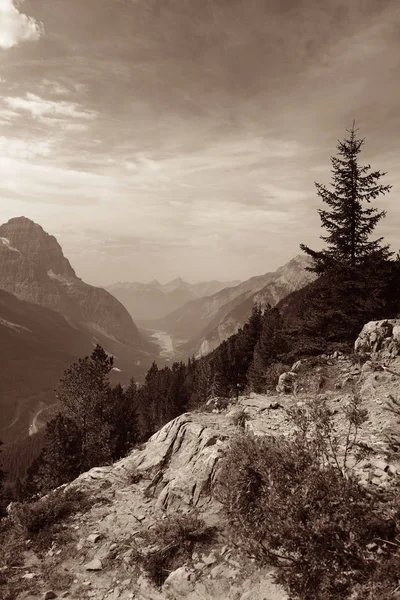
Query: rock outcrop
(379,338)
(33,268)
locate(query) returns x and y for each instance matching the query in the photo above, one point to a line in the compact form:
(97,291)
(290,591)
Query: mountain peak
(34,268)
(37,245)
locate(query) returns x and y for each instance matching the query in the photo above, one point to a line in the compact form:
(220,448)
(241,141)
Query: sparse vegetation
(169,543)
(38,519)
(296,502)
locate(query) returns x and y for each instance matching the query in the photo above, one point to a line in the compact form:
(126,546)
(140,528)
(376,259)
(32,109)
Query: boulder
(180,582)
(379,337)
(94,565)
(286,382)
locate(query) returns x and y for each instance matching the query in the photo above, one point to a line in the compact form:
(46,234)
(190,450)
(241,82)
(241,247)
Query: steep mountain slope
(189,321)
(290,277)
(147,301)
(36,345)
(33,267)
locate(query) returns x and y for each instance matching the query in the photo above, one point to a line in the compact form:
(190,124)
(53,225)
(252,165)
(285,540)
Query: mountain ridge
(34,268)
(205,322)
(153,300)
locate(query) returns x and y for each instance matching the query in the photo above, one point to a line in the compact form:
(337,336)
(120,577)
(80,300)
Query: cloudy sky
(158,138)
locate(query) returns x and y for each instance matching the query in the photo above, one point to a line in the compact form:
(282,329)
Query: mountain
(48,319)
(287,279)
(204,323)
(33,268)
(148,301)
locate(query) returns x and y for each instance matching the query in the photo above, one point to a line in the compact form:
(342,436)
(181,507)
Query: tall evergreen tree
(271,343)
(122,417)
(349,218)
(61,459)
(84,393)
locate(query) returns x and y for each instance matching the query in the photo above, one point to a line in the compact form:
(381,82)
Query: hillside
(201,325)
(287,279)
(189,321)
(93,554)
(37,344)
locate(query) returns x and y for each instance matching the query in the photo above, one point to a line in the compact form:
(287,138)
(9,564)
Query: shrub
(169,544)
(239,418)
(294,502)
(34,518)
(272,373)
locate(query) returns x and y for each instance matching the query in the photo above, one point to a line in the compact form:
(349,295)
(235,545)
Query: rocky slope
(175,471)
(149,301)
(33,268)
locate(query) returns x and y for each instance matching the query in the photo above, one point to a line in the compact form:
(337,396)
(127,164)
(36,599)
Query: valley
(165,342)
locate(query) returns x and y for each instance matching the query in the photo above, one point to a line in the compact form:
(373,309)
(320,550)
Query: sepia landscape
(199,300)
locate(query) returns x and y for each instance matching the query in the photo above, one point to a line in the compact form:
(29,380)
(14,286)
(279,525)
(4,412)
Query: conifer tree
(122,418)
(271,343)
(84,393)
(61,459)
(350,219)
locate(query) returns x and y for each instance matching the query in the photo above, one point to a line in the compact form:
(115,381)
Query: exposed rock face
(379,338)
(33,268)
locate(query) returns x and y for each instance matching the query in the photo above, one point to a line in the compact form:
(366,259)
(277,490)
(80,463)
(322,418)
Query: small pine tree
(61,459)
(347,220)
(84,393)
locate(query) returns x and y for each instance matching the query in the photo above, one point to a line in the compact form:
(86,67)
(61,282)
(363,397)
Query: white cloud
(41,108)
(14,148)
(15,27)
(53,87)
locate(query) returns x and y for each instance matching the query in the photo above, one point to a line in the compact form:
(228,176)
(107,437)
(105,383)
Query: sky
(166,138)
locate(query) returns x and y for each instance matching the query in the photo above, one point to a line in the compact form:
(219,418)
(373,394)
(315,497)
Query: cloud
(40,108)
(20,149)
(15,27)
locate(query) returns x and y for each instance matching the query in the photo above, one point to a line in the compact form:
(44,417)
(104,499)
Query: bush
(40,516)
(169,544)
(239,418)
(294,503)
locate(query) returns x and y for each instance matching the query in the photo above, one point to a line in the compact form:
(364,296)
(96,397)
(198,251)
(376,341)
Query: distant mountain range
(48,319)
(204,323)
(149,301)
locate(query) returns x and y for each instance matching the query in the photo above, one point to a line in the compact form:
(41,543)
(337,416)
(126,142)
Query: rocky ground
(174,472)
